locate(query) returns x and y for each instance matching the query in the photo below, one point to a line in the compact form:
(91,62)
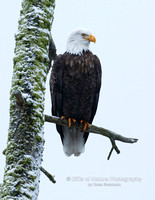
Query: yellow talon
(86,125)
(73,120)
(84,128)
(69,122)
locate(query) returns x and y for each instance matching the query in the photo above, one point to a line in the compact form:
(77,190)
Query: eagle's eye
(83,34)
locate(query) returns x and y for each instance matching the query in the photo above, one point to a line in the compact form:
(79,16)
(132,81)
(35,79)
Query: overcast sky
(125,34)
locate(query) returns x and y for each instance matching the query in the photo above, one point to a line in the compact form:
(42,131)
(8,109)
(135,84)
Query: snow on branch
(96,130)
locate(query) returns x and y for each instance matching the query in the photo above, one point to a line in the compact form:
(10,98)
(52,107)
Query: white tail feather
(73,141)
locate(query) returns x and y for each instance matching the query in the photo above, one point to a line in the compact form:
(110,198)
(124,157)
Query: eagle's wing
(98,86)
(56,81)
(96,93)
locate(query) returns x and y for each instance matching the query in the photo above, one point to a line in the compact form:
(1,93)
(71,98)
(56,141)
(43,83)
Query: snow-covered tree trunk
(31,65)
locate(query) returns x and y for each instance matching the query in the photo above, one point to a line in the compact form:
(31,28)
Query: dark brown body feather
(75,85)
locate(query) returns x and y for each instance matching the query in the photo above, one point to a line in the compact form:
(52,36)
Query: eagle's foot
(70,120)
(85,125)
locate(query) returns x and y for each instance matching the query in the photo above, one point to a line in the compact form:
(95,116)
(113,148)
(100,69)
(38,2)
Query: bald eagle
(75,86)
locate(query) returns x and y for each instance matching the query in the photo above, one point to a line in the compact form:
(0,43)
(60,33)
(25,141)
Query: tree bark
(31,65)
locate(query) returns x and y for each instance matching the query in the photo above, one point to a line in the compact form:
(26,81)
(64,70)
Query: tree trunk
(31,65)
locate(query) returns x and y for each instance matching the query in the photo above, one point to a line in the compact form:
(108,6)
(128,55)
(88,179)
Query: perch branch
(97,130)
(51,178)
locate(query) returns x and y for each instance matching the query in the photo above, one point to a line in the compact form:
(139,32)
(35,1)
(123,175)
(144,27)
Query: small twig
(19,98)
(114,145)
(48,174)
(97,130)
(110,153)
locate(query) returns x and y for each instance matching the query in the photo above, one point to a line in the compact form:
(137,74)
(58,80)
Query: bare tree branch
(51,178)
(97,130)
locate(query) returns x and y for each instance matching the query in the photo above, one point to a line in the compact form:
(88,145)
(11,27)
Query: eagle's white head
(79,41)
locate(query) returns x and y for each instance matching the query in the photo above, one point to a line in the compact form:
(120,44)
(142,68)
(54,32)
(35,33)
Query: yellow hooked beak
(91,38)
